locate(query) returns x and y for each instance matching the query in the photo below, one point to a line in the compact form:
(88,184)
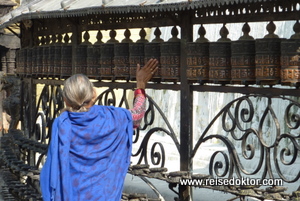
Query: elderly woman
(89,153)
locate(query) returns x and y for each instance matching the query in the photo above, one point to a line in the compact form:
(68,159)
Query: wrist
(140,85)
(139,91)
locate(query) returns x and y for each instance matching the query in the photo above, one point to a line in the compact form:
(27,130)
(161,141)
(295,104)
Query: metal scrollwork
(251,132)
(156,151)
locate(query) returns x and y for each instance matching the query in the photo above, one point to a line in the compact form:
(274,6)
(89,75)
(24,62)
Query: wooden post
(186,107)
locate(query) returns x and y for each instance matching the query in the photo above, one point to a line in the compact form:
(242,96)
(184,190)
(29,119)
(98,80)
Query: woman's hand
(143,75)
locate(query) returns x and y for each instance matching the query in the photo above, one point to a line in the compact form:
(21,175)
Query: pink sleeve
(139,107)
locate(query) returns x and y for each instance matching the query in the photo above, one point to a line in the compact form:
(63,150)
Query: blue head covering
(88,156)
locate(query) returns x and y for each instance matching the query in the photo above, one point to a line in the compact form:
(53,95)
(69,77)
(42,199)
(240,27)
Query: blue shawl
(88,156)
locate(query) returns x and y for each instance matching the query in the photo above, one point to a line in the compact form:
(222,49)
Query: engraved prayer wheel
(34,61)
(198,61)
(66,60)
(51,60)
(267,61)
(170,61)
(93,61)
(136,56)
(243,62)
(39,60)
(121,60)
(57,59)
(21,66)
(81,59)
(28,66)
(220,62)
(46,54)
(17,62)
(107,60)
(152,51)
(290,62)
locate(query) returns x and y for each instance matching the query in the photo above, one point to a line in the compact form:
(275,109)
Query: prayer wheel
(121,61)
(290,62)
(34,61)
(267,61)
(81,59)
(21,66)
(46,54)
(66,60)
(93,61)
(107,60)
(243,62)
(51,60)
(28,67)
(220,62)
(170,61)
(152,51)
(57,60)
(39,60)
(198,62)
(136,56)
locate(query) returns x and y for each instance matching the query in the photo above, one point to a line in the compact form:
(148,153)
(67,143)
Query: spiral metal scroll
(237,119)
(46,109)
(157,150)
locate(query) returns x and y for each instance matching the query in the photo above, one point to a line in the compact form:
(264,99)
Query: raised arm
(143,75)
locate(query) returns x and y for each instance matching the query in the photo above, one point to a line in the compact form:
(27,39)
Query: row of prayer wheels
(270,60)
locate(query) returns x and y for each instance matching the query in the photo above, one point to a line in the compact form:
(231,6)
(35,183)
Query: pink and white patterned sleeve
(139,107)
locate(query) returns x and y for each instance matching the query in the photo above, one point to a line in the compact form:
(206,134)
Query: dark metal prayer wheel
(66,60)
(22,61)
(267,61)
(34,60)
(121,60)
(170,61)
(51,60)
(93,61)
(220,62)
(290,62)
(152,51)
(28,69)
(46,55)
(57,60)
(136,56)
(81,59)
(198,61)
(39,60)
(107,60)
(243,62)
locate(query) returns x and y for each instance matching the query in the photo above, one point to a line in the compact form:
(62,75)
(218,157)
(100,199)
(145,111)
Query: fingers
(151,66)
(138,67)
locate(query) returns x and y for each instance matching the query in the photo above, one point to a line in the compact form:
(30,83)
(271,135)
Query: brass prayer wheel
(170,61)
(21,61)
(220,62)
(28,67)
(81,59)
(46,54)
(136,56)
(152,51)
(93,61)
(290,62)
(34,61)
(267,61)
(107,60)
(39,60)
(198,62)
(243,62)
(66,60)
(51,60)
(121,60)
(57,60)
